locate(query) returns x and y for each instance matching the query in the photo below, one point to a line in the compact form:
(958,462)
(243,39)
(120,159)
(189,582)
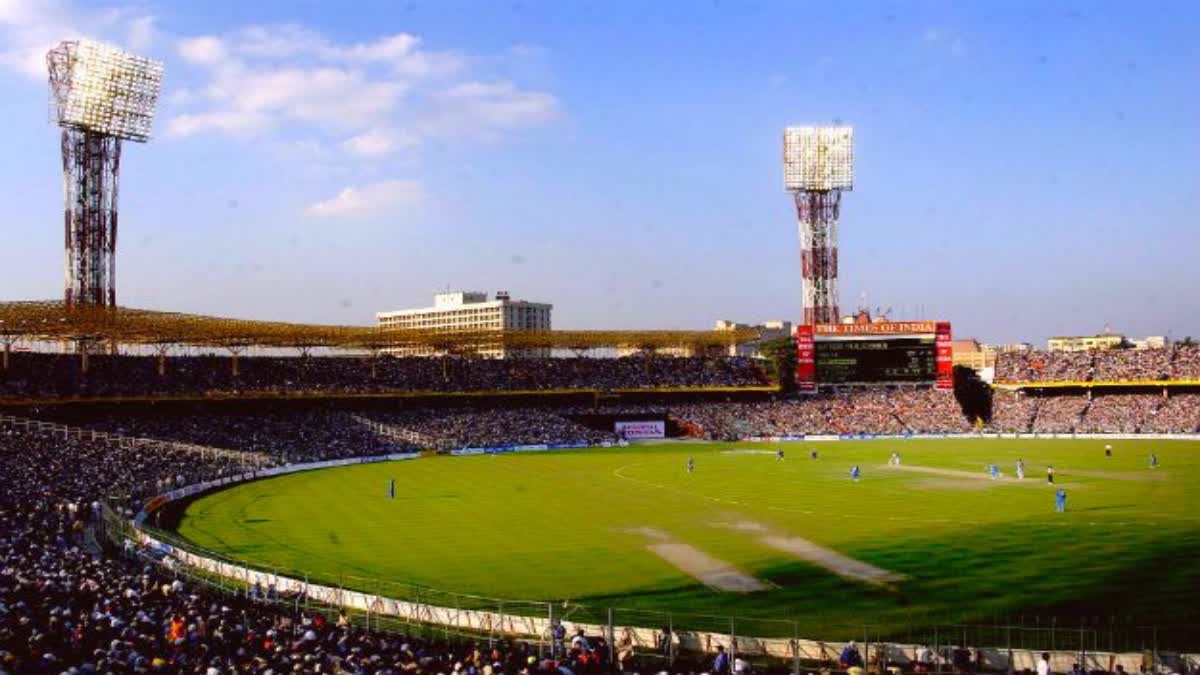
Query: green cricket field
(934,539)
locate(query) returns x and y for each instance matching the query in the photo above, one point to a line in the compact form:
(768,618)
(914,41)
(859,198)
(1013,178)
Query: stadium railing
(246,459)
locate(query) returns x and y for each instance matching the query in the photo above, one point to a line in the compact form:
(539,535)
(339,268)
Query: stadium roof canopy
(53,321)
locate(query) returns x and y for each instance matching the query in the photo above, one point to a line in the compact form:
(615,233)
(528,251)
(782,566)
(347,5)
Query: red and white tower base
(818,216)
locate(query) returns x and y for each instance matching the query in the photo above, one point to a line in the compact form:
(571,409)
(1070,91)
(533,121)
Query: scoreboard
(902,352)
(876,361)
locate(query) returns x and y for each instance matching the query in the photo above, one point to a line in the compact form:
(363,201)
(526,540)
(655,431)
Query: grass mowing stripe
(558,525)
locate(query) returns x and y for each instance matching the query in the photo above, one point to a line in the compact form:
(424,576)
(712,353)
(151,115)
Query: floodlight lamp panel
(104,89)
(818,159)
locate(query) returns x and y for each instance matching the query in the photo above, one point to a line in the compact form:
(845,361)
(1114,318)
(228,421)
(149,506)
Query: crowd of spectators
(40,375)
(1124,365)
(486,428)
(1179,362)
(1039,366)
(1059,414)
(1014,412)
(1186,363)
(930,411)
(69,606)
(67,603)
(292,436)
(862,412)
(1118,413)
(1179,414)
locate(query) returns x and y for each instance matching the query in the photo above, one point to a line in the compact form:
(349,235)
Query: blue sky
(1023,169)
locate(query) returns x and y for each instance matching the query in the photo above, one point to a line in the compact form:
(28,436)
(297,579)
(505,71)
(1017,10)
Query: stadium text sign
(879,328)
(644,429)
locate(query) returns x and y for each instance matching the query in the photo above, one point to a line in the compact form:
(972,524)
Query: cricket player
(779,454)
(894,460)
(1107,450)
(691,465)
(392,489)
(812,454)
(1153,461)
(1020,469)
(1060,501)
(854,473)
(993,471)
(1050,475)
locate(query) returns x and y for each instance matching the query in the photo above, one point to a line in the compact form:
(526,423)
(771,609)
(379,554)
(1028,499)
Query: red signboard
(806,359)
(945,356)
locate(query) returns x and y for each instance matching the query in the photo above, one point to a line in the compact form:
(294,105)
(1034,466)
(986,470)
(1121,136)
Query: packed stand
(1180,362)
(1179,414)
(930,411)
(1040,366)
(38,375)
(1059,414)
(870,412)
(1185,364)
(1118,413)
(862,412)
(1124,365)
(450,429)
(1012,412)
(292,436)
(66,606)
(734,421)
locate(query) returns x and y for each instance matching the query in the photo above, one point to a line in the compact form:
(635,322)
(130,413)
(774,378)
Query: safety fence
(1096,644)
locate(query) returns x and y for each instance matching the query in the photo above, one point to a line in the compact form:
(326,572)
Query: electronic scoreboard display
(908,359)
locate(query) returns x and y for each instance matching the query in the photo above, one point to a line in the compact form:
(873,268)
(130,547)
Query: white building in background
(469,311)
(770,330)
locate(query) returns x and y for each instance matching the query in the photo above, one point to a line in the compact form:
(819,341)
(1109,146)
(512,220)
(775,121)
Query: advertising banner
(641,429)
(877,328)
(806,359)
(945,356)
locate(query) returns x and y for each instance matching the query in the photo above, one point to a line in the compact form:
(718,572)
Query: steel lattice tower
(100,95)
(818,166)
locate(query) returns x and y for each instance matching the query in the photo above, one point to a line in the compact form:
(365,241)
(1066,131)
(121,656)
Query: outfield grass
(577,525)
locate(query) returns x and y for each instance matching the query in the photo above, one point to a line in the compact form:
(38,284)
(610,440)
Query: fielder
(993,471)
(1050,475)
(1020,469)
(854,473)
(1060,501)
(1107,450)
(1153,461)
(691,465)
(779,454)
(894,460)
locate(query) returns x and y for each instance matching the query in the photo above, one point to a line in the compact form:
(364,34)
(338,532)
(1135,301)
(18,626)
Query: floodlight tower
(101,96)
(818,165)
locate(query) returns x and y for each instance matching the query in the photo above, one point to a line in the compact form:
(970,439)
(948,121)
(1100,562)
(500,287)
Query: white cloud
(236,123)
(370,199)
(387,93)
(484,109)
(204,50)
(378,142)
